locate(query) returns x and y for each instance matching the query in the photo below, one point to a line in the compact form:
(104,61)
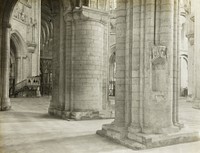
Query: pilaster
(196,56)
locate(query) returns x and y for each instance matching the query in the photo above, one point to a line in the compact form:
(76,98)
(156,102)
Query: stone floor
(27,128)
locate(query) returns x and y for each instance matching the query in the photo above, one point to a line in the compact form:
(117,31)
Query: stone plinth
(147,141)
(84,115)
(5,104)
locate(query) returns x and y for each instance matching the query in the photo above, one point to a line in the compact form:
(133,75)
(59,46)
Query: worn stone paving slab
(27,128)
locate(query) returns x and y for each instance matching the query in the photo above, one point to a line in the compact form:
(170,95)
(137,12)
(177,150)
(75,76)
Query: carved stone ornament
(159,54)
(31,47)
(20,13)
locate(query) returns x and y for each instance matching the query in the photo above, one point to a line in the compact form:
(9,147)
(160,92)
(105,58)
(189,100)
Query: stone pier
(83,66)
(147,76)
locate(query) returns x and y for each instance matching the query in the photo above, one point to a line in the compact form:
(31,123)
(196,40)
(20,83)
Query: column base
(168,130)
(82,115)
(5,104)
(146,141)
(119,135)
(59,113)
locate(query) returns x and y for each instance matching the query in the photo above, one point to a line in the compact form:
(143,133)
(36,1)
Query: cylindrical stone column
(86,31)
(57,104)
(87,65)
(5,58)
(169,38)
(120,62)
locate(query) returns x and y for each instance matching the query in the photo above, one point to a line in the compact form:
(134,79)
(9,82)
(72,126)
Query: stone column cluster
(147,75)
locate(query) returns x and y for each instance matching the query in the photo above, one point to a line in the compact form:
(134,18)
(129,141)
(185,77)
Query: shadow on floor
(75,144)
(25,116)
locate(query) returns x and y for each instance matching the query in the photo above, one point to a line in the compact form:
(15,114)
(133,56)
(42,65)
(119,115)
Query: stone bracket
(31,47)
(140,141)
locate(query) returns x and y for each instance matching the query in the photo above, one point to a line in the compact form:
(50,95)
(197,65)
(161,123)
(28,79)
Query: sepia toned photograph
(99,76)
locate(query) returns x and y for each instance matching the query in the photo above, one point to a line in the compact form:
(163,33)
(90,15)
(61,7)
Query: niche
(159,68)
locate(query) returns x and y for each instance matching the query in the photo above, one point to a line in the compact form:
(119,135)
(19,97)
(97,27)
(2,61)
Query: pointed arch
(19,43)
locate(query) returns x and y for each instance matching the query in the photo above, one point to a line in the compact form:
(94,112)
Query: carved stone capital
(86,13)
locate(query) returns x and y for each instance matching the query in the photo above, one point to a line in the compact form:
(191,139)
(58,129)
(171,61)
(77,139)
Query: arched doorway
(13,70)
(184,75)
(18,61)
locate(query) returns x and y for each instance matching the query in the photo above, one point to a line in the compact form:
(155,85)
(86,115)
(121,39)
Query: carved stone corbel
(31,47)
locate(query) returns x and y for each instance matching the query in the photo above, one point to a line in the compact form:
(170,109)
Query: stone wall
(25,32)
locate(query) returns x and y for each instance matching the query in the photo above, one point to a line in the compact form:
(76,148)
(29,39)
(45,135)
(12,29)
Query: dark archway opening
(13,69)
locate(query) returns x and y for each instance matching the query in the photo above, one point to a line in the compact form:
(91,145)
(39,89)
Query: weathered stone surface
(85,91)
(147,76)
(147,141)
(86,115)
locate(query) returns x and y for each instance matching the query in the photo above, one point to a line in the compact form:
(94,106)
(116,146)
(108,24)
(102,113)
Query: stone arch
(19,43)
(20,46)
(7,9)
